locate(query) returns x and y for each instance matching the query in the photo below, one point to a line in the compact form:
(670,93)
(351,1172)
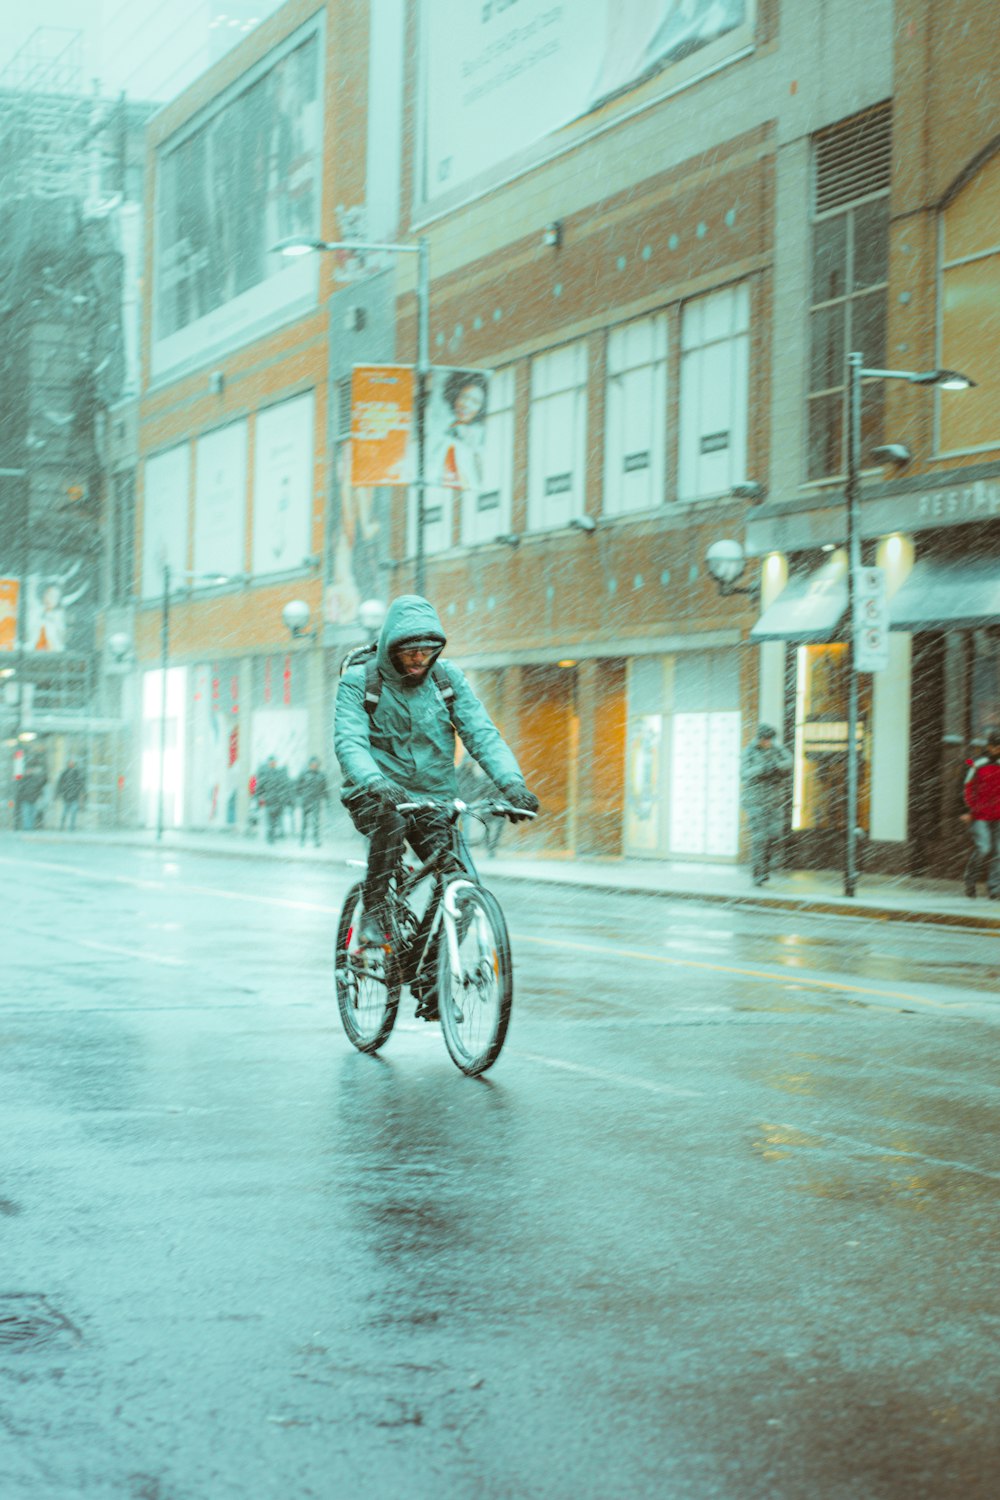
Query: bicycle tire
(367,997)
(475,1013)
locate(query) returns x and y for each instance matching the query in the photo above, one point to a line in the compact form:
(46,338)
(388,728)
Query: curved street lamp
(306,245)
(857,370)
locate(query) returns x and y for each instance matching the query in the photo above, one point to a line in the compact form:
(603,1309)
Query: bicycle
(458,946)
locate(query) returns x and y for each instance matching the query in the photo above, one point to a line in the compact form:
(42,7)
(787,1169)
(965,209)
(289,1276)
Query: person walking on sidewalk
(70,787)
(401,748)
(765,769)
(312,793)
(982,799)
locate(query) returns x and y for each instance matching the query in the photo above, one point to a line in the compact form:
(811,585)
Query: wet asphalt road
(722,1222)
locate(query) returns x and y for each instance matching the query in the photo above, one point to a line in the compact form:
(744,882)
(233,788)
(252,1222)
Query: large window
(486,508)
(970,312)
(715,347)
(636,416)
(557,437)
(850,269)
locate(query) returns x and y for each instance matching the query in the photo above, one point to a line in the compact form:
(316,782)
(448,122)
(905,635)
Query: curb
(815,905)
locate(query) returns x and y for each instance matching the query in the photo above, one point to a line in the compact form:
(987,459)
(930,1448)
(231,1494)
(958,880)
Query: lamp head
(583,523)
(892,453)
(119,645)
(749,489)
(725,560)
(296,615)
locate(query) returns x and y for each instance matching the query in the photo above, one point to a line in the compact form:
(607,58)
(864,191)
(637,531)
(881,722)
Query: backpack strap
(373,688)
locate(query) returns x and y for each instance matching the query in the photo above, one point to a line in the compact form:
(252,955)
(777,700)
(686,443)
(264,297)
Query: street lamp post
(421,249)
(948,380)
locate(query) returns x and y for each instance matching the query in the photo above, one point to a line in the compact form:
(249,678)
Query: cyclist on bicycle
(401,748)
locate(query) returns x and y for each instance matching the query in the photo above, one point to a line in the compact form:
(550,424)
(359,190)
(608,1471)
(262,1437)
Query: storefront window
(820,779)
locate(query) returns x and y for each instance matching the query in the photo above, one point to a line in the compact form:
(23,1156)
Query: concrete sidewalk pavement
(878,897)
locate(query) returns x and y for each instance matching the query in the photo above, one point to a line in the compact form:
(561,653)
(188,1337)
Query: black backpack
(367,655)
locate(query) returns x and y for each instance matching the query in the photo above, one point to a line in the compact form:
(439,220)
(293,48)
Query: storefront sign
(871,620)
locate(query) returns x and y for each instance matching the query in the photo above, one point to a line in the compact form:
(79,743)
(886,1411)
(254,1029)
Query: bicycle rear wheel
(475,1003)
(367,994)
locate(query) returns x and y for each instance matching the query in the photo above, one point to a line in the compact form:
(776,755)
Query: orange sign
(382,425)
(10,589)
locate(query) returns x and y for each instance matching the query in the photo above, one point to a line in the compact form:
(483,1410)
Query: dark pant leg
(993,867)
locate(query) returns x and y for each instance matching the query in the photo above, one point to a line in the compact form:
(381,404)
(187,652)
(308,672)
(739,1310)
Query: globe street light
(946,380)
(300,245)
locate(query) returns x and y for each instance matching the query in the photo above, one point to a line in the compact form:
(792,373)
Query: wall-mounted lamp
(119,647)
(217,382)
(583,523)
(552,234)
(296,617)
(892,453)
(355,319)
(726,561)
(749,489)
(508,538)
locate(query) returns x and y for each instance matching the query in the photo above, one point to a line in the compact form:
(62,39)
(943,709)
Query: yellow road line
(783,977)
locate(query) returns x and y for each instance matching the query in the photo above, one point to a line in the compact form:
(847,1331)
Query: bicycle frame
(441,908)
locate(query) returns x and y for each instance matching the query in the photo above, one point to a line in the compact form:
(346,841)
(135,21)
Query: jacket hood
(410,617)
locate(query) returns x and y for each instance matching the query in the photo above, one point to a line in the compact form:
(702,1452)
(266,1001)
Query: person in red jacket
(982,797)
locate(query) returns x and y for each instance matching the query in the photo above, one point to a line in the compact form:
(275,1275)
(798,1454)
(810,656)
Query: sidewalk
(878,897)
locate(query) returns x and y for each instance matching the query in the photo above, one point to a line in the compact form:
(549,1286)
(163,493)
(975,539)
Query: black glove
(525,802)
(388,793)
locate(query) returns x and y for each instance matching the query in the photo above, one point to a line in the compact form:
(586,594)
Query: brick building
(630,223)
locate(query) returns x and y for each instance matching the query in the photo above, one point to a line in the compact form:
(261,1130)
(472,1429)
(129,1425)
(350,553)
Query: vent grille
(344,409)
(854,159)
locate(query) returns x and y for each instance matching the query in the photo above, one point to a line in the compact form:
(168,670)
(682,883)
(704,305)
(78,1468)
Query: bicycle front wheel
(367,996)
(475,1000)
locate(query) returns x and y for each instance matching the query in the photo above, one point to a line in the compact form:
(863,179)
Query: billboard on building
(501,78)
(241,176)
(283,485)
(220,500)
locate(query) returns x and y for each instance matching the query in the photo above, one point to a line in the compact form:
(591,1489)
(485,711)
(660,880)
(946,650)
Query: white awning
(809,608)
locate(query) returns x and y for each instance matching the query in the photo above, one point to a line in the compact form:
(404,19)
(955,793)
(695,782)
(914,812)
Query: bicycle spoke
(475,1001)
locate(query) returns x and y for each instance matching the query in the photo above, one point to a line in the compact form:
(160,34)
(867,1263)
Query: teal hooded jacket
(410,739)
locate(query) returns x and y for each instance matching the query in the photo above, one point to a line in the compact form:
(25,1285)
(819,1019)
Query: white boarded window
(437,519)
(486,511)
(635,437)
(164,517)
(557,437)
(220,501)
(715,353)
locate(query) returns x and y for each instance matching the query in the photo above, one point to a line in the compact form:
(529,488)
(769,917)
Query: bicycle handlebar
(493,806)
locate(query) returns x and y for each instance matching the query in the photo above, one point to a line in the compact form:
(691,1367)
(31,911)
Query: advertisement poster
(243,177)
(220,500)
(283,484)
(10,593)
(538,65)
(383,434)
(51,599)
(382,425)
(164,517)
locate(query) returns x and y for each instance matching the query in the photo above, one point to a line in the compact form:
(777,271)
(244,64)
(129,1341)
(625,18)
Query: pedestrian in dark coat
(765,769)
(273,793)
(982,799)
(32,785)
(71,787)
(311,790)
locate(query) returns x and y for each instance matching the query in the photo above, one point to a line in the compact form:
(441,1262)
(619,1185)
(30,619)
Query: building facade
(659,234)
